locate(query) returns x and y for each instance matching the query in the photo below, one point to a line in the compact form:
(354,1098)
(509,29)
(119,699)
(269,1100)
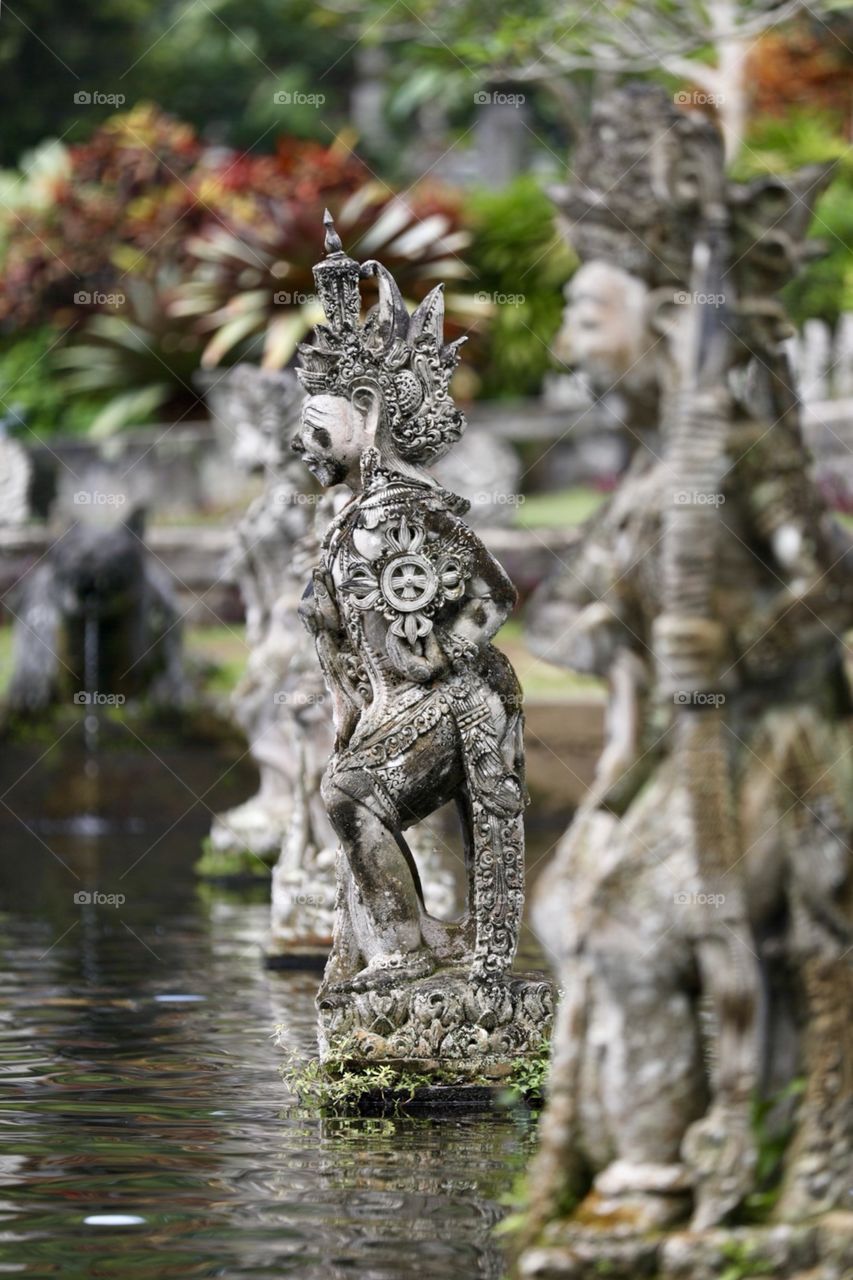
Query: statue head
(605,330)
(381,384)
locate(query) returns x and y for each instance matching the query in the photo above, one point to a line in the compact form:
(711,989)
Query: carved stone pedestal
(821,1251)
(443,1023)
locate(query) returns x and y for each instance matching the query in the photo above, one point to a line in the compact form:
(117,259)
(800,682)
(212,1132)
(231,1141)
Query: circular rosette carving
(409,580)
(409,583)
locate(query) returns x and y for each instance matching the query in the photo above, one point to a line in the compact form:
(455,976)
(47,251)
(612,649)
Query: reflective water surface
(144,1127)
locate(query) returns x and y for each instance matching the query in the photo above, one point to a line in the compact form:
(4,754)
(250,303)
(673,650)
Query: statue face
(331,439)
(605,330)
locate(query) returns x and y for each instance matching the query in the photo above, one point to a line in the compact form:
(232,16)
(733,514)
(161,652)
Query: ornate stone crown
(648,172)
(403,357)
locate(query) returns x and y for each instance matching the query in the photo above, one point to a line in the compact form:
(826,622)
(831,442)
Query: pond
(146,1130)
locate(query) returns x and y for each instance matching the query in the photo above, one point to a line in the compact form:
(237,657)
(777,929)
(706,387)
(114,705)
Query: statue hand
(325,608)
(417,667)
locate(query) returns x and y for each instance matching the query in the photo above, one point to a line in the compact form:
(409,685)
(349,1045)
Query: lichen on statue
(403,607)
(709,867)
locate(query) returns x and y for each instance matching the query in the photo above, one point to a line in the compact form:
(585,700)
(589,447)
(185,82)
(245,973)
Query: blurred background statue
(701,903)
(98,615)
(279,701)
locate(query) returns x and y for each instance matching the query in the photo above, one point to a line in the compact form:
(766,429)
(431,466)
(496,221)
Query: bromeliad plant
(151,254)
(253,269)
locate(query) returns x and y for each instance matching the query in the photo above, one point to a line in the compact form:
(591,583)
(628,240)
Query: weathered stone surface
(403,606)
(439,1020)
(700,907)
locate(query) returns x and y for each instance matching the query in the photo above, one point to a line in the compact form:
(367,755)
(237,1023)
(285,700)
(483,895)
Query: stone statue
(403,606)
(701,903)
(280,701)
(97,616)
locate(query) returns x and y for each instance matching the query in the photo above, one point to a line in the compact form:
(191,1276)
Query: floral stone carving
(701,903)
(403,606)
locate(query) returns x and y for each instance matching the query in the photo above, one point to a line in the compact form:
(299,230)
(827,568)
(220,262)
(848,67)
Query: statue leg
(369,809)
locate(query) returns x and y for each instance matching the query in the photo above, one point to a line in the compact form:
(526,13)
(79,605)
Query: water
(144,1127)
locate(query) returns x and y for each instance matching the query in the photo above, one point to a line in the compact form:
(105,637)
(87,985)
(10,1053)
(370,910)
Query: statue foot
(641,1211)
(388,970)
(642,1195)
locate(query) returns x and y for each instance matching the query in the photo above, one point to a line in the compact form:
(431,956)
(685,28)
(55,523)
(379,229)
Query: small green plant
(772,1134)
(333,1085)
(743,1261)
(527,1079)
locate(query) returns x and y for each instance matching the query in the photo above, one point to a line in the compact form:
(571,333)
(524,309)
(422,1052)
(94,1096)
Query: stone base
(821,1249)
(431,1099)
(440,1022)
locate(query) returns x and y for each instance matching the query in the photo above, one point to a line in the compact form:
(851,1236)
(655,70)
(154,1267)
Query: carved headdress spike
(402,358)
(333,240)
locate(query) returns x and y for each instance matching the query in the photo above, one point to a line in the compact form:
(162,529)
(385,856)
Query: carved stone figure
(97,615)
(403,606)
(280,701)
(701,903)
